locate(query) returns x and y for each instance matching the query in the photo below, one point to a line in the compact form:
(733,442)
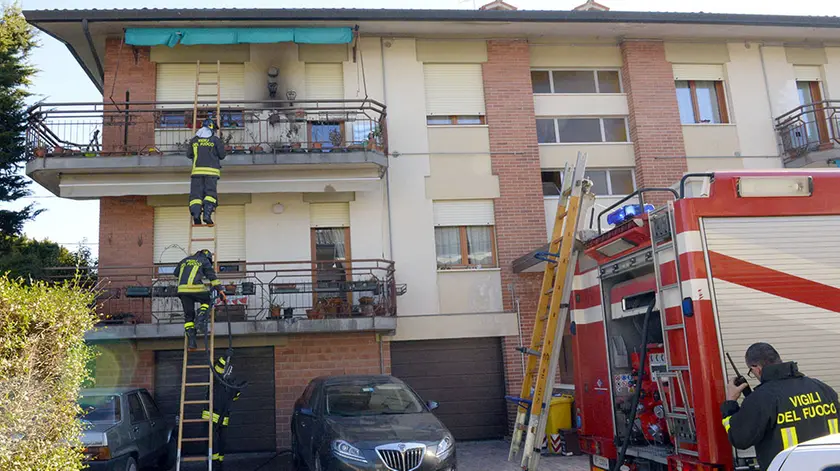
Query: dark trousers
(219,435)
(203,193)
(189,300)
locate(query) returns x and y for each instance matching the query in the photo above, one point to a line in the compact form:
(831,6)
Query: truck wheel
(130,464)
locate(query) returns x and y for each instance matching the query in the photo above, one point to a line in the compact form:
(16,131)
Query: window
(575,81)
(359,398)
(455,119)
(331,252)
(580,130)
(183,119)
(606,182)
(135,409)
(465,246)
(813,128)
(150,405)
(701,101)
(101,409)
(326,134)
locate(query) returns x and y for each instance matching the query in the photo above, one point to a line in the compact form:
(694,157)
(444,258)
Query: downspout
(779,145)
(388,168)
(93,49)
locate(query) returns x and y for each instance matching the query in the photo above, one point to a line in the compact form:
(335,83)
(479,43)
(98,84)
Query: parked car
(351,423)
(125,431)
(820,454)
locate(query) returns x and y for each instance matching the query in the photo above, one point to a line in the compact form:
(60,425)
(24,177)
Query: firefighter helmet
(205,253)
(209,124)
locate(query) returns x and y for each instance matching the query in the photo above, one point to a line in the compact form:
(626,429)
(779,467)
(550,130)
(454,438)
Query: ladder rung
(678,368)
(203,239)
(522,427)
(194,458)
(674,327)
(198,366)
(195,439)
(192,421)
(197,384)
(528,351)
(676,415)
(207,83)
(562,215)
(551,290)
(197,402)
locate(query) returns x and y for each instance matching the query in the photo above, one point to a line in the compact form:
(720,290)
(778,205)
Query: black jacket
(223,395)
(191,273)
(785,409)
(206,151)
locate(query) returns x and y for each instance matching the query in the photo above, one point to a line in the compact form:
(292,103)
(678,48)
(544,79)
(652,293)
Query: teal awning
(218,36)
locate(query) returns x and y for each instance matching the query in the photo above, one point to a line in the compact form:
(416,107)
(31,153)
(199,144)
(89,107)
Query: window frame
(600,119)
(720,91)
(453,119)
(465,258)
(594,77)
(142,409)
(608,171)
(348,264)
(233,115)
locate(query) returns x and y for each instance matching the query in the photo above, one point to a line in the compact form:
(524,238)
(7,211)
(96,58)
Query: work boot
(191,343)
(208,211)
(197,221)
(201,322)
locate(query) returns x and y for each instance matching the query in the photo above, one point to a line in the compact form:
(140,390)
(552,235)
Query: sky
(61,79)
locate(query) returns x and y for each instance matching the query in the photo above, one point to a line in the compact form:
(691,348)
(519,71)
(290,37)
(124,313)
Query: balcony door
(331,263)
(815,127)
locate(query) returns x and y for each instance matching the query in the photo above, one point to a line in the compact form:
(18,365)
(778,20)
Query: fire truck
(662,296)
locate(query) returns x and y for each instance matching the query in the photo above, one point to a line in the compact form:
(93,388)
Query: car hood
(373,430)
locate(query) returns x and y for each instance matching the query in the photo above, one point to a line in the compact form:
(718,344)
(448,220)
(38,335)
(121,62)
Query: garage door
(465,376)
(252,416)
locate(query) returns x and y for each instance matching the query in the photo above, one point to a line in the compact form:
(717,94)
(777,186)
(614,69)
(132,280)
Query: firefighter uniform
(206,151)
(787,408)
(191,272)
(223,398)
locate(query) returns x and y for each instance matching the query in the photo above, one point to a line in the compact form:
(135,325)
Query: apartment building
(386,169)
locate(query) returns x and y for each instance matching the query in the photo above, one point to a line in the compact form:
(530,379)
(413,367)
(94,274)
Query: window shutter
(454,89)
(329,214)
(176,82)
(172,234)
(324,81)
(808,73)
(464,213)
(713,72)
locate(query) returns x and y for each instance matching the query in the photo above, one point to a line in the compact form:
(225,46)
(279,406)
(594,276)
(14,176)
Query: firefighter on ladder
(191,272)
(223,397)
(787,408)
(206,150)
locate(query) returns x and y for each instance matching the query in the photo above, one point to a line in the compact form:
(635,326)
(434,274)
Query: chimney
(591,5)
(498,5)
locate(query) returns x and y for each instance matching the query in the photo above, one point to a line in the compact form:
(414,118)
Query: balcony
(263,298)
(75,149)
(810,135)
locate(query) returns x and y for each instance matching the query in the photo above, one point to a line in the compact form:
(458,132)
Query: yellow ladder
(199,239)
(552,313)
(208,85)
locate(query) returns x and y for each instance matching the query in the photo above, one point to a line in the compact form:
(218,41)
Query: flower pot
(275,312)
(230,290)
(40,152)
(314,314)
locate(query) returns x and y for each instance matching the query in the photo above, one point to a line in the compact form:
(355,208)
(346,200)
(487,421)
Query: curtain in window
(330,240)
(480,245)
(448,246)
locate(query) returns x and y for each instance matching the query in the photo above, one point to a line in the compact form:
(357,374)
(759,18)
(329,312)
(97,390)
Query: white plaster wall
(590,222)
(273,237)
(369,224)
(354,82)
(781,80)
(284,56)
(470,291)
(831,69)
(413,232)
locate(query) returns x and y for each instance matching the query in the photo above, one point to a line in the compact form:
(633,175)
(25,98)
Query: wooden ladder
(208,85)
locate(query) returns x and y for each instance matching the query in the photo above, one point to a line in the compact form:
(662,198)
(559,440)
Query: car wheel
(170,455)
(130,465)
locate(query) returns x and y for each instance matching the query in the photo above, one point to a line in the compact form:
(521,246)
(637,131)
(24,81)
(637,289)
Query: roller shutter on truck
(777,280)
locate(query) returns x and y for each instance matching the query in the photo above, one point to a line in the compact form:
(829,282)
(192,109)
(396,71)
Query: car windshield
(371,399)
(100,409)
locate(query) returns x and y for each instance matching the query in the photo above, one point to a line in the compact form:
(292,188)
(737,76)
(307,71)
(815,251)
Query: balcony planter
(314,314)
(296,147)
(275,311)
(230,289)
(367,307)
(316,147)
(40,151)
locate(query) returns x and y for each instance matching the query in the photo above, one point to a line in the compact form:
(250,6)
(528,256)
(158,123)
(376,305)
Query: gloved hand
(222,295)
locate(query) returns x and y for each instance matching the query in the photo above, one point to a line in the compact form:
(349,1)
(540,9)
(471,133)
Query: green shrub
(42,365)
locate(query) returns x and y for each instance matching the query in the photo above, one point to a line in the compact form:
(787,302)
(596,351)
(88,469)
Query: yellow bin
(559,414)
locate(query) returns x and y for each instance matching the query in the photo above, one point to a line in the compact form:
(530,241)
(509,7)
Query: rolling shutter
(172,234)
(176,82)
(807,73)
(464,213)
(454,89)
(324,81)
(329,214)
(713,72)
(797,253)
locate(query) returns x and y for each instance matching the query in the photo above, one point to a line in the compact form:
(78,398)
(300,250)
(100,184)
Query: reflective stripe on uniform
(218,457)
(206,415)
(194,202)
(204,306)
(209,171)
(832,427)
(192,289)
(726,423)
(210,199)
(216,282)
(189,325)
(789,437)
(219,369)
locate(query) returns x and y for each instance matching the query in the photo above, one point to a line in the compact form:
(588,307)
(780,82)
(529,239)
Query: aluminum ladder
(543,353)
(678,414)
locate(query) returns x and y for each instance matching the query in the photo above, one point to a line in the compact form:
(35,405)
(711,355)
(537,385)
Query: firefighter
(206,150)
(223,397)
(787,408)
(191,271)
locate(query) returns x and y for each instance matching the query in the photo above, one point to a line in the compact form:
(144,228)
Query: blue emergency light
(627,212)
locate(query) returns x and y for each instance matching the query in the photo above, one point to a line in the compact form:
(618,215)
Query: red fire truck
(748,256)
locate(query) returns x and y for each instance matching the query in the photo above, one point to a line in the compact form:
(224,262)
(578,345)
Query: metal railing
(809,128)
(256,291)
(159,128)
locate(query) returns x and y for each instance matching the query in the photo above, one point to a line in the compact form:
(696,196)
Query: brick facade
(655,127)
(120,364)
(515,159)
(128,69)
(308,356)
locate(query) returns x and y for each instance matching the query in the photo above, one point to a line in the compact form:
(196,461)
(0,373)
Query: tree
(16,42)
(42,366)
(21,257)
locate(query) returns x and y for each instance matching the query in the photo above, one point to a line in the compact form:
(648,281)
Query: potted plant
(230,289)
(275,310)
(316,146)
(336,138)
(227,139)
(366,303)
(374,140)
(314,313)
(331,306)
(40,151)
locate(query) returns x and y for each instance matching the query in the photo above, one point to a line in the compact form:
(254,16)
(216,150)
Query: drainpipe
(388,168)
(86,30)
(779,144)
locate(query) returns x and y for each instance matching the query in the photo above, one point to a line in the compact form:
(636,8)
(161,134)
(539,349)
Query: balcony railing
(809,128)
(160,128)
(256,291)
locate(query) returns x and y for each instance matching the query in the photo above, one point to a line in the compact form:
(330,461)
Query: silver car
(125,431)
(820,454)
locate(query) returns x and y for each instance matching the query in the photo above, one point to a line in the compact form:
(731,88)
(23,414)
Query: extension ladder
(193,377)
(552,313)
(208,85)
